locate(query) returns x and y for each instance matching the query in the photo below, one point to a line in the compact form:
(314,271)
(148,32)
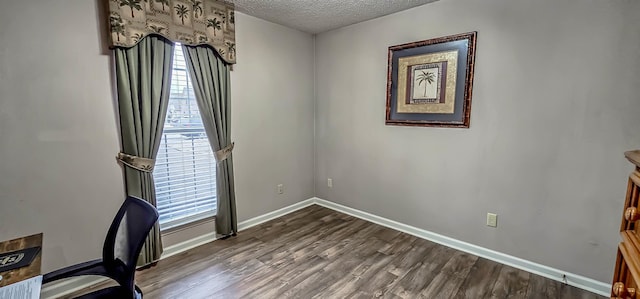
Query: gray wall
(58,127)
(272,116)
(58,134)
(555,104)
(271,121)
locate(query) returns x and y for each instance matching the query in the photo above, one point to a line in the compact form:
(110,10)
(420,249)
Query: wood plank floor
(320,253)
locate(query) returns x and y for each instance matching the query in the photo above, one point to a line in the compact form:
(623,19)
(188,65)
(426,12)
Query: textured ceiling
(316,16)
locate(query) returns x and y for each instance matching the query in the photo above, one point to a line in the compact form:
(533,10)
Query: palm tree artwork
(232,48)
(223,18)
(196,6)
(221,14)
(182,12)
(427,78)
(163,2)
(215,24)
(137,37)
(133,4)
(117,26)
(157,29)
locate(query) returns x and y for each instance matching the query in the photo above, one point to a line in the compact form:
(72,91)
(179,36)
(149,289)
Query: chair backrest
(126,236)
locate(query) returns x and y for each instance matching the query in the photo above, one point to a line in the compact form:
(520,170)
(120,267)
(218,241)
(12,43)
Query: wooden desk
(23,273)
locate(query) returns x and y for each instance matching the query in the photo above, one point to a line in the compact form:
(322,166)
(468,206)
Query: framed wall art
(429,82)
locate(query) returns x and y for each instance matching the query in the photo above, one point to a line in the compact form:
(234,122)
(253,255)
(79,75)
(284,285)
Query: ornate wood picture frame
(429,82)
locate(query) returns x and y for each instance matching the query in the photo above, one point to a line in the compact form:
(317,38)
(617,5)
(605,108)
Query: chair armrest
(95,267)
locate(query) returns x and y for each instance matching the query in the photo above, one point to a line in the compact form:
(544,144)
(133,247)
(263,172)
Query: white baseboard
(575,280)
(56,290)
(275,214)
(188,244)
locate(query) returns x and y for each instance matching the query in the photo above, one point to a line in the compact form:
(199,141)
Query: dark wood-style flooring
(319,253)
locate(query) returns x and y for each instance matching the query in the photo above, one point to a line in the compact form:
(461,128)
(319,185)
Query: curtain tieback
(137,163)
(224,153)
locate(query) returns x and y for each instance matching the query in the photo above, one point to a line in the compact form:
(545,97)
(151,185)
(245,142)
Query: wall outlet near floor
(330,183)
(280,188)
(492,220)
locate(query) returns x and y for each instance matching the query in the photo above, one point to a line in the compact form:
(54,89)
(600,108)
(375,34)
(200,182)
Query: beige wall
(555,104)
(58,127)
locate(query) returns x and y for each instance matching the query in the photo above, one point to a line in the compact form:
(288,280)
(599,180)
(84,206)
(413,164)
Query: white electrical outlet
(280,188)
(492,220)
(330,183)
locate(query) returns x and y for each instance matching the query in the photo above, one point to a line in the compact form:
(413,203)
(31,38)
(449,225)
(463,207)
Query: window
(185,171)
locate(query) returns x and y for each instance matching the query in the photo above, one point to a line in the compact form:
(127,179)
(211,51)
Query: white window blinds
(185,170)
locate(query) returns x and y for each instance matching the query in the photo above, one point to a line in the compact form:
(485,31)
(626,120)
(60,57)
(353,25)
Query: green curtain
(143,78)
(211,83)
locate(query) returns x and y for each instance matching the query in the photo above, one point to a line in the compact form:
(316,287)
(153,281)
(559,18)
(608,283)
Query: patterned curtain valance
(191,22)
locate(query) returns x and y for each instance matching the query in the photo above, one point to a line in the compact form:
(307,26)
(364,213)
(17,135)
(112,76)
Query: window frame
(196,218)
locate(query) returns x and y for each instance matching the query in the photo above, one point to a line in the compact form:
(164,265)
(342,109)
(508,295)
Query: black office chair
(122,246)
